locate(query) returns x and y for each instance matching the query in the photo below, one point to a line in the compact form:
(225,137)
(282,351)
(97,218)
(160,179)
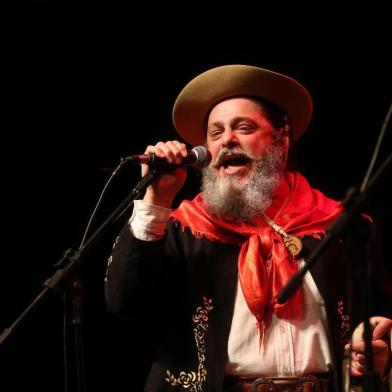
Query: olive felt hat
(201,94)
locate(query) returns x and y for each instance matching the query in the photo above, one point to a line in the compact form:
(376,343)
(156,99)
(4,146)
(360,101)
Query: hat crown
(202,93)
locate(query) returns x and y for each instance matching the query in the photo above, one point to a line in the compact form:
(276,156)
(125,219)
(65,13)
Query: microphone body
(198,157)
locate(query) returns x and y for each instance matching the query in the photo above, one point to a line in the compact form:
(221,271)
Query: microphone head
(203,157)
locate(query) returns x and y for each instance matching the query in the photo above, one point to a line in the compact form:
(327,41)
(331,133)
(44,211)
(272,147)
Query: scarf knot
(264,264)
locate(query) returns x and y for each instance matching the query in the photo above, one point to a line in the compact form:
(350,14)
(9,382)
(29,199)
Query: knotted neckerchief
(264,263)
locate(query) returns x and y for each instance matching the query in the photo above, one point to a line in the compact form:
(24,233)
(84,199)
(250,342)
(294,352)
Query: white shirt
(290,348)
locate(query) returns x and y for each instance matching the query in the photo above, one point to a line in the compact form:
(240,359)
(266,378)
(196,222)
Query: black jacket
(186,286)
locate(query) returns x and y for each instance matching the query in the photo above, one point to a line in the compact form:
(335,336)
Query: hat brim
(201,94)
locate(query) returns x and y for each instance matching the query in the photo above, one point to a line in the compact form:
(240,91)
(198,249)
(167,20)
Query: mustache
(227,153)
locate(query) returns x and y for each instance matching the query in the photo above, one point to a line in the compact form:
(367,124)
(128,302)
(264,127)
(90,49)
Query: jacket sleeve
(135,274)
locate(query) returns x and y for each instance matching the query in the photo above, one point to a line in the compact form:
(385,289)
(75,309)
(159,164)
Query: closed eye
(213,134)
(245,129)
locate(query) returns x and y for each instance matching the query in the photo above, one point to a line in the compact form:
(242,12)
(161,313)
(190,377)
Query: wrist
(151,197)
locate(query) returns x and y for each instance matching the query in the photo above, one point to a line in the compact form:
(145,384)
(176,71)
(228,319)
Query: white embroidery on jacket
(191,380)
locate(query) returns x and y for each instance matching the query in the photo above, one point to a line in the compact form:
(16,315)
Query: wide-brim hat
(201,94)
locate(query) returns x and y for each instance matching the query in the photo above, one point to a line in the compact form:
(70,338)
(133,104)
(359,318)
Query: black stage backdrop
(82,89)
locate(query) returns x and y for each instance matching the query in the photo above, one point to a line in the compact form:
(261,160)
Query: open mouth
(233,160)
(233,163)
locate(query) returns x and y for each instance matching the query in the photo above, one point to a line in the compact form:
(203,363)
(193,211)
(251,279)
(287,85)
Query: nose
(229,139)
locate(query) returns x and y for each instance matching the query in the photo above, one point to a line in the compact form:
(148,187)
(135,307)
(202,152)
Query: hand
(167,185)
(380,349)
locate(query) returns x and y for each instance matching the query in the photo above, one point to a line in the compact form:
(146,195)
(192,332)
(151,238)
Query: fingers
(377,346)
(359,358)
(165,187)
(174,151)
(355,372)
(381,327)
(380,356)
(357,364)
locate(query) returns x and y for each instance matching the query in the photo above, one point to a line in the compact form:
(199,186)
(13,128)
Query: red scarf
(264,263)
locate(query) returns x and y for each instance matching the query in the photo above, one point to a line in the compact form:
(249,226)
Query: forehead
(234,106)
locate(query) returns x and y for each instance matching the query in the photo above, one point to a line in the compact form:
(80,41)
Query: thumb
(382,328)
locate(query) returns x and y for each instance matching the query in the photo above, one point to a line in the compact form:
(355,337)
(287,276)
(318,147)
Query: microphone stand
(66,268)
(352,206)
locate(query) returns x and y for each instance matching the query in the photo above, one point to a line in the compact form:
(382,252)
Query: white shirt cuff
(148,221)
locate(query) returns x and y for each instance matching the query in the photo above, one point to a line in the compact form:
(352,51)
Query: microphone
(198,157)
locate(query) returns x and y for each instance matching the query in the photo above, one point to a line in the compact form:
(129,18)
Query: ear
(284,135)
(286,147)
(286,141)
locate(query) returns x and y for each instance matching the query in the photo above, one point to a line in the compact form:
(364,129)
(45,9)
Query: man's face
(239,124)
(247,162)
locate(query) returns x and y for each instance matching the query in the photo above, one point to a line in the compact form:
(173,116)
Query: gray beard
(238,200)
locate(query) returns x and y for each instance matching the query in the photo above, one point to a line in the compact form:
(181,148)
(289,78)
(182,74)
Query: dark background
(81,87)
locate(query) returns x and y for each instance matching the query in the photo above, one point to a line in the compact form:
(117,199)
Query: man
(209,272)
